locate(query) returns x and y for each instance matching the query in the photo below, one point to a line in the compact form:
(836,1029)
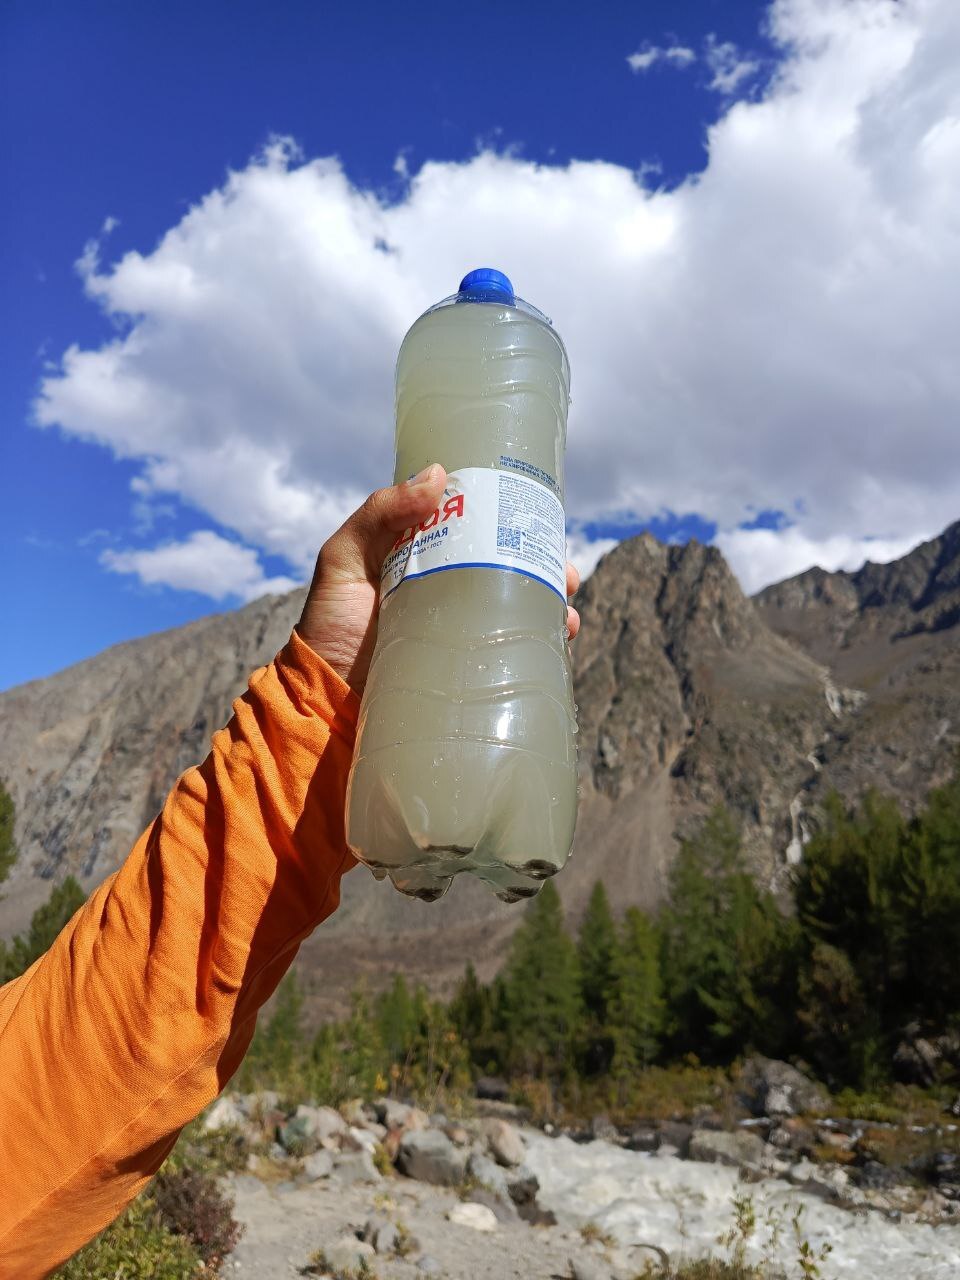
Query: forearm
(143,1008)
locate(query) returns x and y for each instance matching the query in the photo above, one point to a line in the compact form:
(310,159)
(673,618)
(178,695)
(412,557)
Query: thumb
(390,511)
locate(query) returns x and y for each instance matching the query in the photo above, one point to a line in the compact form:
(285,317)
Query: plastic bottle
(465,758)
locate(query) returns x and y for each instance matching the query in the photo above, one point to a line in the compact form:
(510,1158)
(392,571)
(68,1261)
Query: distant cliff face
(688,694)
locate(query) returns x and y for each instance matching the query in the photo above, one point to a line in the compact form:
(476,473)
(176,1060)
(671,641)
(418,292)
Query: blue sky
(135,114)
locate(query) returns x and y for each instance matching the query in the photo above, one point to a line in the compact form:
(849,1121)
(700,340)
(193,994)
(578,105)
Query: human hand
(339,619)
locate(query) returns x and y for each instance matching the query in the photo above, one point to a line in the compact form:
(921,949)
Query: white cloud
(676,55)
(778,333)
(584,554)
(204,562)
(761,556)
(729,66)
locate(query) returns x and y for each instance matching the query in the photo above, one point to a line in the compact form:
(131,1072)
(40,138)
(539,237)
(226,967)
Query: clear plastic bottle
(466,755)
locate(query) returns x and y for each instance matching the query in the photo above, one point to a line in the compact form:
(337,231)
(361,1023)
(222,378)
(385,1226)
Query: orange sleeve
(144,1006)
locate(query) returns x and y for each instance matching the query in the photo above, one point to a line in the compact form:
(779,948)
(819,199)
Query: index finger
(573,579)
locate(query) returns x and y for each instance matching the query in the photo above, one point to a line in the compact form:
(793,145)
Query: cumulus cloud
(761,556)
(585,554)
(729,66)
(675,55)
(777,333)
(204,562)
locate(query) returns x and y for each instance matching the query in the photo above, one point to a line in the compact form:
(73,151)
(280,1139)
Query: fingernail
(421,476)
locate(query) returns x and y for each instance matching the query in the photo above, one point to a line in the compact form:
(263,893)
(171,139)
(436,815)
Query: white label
(488,518)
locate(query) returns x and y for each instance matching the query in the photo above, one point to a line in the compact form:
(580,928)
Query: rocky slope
(893,632)
(688,693)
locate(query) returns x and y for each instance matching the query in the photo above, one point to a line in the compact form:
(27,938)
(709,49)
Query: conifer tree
(396,1019)
(8,852)
(542,1006)
(597,956)
(45,924)
(726,950)
(472,1012)
(637,1012)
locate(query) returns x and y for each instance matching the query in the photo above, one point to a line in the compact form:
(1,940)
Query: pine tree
(45,924)
(542,1007)
(726,950)
(637,1012)
(597,956)
(396,1019)
(473,1013)
(927,895)
(8,852)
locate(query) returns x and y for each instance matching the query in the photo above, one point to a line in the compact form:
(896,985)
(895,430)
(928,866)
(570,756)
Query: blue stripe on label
(477,564)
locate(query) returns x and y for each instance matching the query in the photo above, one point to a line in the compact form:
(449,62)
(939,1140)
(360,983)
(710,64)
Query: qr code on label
(507,537)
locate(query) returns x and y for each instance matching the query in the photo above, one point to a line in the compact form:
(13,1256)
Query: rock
(588,1269)
(536,1215)
(224,1114)
(792,1134)
(348,1256)
(429,1156)
(874,1176)
(522,1185)
(386,1238)
(506,1145)
(477,1216)
(642,1140)
(493,1089)
(457,1135)
(603,1129)
(310,1127)
(256,1105)
(915,1061)
(483,1170)
(357,1139)
(676,1133)
(740,1148)
(318,1165)
(354,1111)
(827,1181)
(355,1166)
(503,1209)
(772,1088)
(429,1265)
(398,1115)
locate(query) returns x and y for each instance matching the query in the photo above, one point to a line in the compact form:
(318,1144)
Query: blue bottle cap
(486,285)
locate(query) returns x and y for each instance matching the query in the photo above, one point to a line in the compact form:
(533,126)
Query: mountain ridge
(689,694)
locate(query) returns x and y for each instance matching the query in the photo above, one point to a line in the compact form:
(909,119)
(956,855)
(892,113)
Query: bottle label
(488,518)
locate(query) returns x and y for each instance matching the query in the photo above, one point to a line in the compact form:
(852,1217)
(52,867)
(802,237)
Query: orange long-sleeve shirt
(144,1006)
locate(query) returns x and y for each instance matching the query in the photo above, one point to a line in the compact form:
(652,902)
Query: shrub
(190,1203)
(136,1247)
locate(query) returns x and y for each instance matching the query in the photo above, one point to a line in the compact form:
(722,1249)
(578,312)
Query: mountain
(891,631)
(689,693)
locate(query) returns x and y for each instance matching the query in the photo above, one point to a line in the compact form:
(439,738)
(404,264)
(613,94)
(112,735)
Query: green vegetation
(45,924)
(136,1247)
(8,850)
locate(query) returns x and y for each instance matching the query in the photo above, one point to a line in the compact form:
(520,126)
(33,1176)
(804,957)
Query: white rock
(318,1165)
(224,1114)
(348,1254)
(506,1145)
(477,1216)
(321,1123)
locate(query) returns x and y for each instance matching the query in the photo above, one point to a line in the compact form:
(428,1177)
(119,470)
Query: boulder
(398,1115)
(348,1256)
(224,1114)
(311,1127)
(429,1156)
(381,1233)
(676,1134)
(506,1145)
(642,1139)
(318,1165)
(481,1169)
(357,1139)
(476,1216)
(603,1129)
(523,1185)
(915,1061)
(772,1088)
(493,1089)
(503,1209)
(740,1148)
(355,1166)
